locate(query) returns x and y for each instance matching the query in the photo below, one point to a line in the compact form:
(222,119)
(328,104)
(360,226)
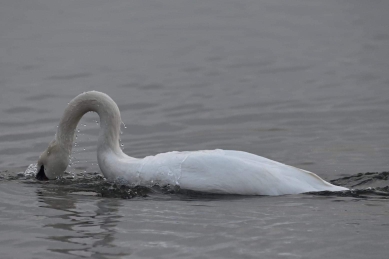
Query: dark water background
(302,82)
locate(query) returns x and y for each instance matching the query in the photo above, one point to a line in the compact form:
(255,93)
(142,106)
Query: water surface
(301,82)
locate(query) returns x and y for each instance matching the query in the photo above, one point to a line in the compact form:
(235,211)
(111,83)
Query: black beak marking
(41,175)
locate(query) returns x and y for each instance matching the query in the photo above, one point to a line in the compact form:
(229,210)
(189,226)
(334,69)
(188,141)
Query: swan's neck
(110,121)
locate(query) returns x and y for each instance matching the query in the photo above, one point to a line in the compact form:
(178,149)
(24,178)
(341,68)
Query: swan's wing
(237,172)
(161,169)
(228,171)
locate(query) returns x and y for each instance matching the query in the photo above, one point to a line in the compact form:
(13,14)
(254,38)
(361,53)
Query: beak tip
(41,176)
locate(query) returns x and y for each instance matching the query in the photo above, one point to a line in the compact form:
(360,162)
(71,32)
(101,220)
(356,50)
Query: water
(301,82)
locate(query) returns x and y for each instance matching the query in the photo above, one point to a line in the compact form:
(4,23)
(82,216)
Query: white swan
(214,171)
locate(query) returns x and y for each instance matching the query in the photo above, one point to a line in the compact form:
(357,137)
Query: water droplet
(84,125)
(122,145)
(84,149)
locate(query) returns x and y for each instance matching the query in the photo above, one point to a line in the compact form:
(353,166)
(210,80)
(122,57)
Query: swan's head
(52,162)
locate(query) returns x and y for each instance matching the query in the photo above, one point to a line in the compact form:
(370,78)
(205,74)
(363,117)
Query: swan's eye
(41,176)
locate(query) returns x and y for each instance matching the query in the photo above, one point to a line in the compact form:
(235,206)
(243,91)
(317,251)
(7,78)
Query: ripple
(23,109)
(69,76)
(369,179)
(40,97)
(94,184)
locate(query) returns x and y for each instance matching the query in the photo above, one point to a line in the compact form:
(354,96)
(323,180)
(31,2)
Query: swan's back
(230,172)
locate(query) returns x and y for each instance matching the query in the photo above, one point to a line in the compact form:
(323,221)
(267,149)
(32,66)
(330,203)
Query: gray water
(302,82)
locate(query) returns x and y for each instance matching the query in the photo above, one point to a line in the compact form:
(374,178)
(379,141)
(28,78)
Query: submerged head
(52,162)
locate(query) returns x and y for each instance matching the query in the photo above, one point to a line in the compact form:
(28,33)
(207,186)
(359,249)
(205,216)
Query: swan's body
(215,171)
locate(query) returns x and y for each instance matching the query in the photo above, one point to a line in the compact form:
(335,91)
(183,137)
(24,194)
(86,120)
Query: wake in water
(362,185)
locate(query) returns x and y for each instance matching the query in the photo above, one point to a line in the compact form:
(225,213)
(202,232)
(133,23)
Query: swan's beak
(41,175)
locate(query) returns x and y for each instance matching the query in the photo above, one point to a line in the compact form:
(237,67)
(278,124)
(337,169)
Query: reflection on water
(86,227)
(70,219)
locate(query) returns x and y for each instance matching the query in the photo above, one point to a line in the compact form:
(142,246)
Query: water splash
(31,171)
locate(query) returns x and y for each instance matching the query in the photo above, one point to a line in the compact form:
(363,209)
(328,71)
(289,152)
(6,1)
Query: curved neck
(109,115)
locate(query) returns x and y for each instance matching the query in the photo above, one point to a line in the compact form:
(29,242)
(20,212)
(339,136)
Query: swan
(212,171)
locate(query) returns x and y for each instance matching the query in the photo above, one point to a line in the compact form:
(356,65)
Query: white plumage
(219,171)
(213,171)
